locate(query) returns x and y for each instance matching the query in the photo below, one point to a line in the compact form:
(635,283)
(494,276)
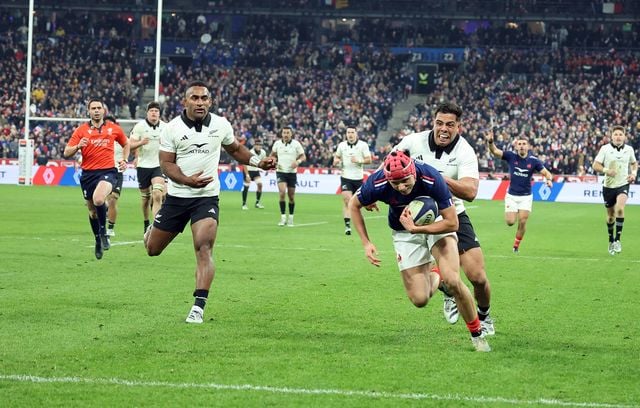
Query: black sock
(483,312)
(245,192)
(347,222)
(258,196)
(610,230)
(146,224)
(292,206)
(282,207)
(201,296)
(111,225)
(619,223)
(95,227)
(102,217)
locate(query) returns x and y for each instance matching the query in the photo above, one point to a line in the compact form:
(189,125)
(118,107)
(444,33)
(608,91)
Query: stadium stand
(562,82)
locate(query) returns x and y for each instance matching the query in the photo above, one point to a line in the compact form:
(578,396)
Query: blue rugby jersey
(429,182)
(521,172)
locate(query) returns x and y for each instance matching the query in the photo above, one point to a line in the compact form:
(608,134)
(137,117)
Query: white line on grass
(513,256)
(555,258)
(306,391)
(252,247)
(120,243)
(308,224)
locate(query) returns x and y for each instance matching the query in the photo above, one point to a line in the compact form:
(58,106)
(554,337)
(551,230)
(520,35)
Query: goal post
(26,146)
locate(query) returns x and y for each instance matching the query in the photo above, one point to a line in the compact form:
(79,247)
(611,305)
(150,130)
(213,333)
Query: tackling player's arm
(357,221)
(466,188)
(492,146)
(244,156)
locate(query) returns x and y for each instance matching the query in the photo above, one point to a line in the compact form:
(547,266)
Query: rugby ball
(424,210)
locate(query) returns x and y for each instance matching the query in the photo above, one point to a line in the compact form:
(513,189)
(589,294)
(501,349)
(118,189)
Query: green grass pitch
(297,317)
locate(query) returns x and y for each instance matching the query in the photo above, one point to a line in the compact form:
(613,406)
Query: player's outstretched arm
(244,156)
(357,221)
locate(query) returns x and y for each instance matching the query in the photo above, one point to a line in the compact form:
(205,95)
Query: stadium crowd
(565,117)
(564,98)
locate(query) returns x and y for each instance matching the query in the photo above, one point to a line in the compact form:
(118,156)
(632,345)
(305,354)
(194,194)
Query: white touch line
(306,391)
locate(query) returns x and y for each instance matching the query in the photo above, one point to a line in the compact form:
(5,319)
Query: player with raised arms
(519,199)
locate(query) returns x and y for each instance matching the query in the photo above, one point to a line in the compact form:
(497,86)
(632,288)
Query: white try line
(306,391)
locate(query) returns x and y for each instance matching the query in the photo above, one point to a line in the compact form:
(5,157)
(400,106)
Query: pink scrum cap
(397,165)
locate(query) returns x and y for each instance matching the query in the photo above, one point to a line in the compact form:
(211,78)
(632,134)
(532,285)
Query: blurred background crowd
(559,72)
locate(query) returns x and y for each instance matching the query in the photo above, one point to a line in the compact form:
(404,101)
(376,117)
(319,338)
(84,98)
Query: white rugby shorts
(415,249)
(515,203)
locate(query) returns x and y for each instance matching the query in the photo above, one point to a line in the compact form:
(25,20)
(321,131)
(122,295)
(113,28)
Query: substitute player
(519,200)
(617,161)
(351,155)
(399,182)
